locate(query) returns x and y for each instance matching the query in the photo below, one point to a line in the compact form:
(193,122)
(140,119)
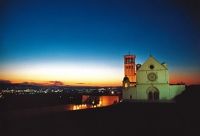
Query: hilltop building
(149,81)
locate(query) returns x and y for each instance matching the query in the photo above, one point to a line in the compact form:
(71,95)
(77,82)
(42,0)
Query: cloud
(80,83)
(59,83)
(30,83)
(5,82)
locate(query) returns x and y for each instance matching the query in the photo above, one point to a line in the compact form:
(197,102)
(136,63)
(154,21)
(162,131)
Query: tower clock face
(152,76)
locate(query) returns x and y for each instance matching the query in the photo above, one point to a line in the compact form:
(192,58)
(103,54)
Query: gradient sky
(83,41)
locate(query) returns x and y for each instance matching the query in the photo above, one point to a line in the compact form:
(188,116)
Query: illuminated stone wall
(152,66)
(129,93)
(176,90)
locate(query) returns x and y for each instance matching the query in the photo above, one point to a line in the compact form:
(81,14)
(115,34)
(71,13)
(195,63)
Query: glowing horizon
(78,74)
(71,74)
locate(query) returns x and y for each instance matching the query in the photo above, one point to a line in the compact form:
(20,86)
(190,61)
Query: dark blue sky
(99,32)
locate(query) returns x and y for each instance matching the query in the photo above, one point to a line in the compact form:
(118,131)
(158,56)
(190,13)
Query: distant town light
(100,102)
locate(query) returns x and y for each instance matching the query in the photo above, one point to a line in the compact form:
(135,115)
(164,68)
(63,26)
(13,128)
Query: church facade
(149,81)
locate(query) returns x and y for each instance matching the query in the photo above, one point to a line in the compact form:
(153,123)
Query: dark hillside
(181,118)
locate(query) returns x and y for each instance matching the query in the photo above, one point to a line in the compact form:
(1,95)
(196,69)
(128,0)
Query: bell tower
(129,68)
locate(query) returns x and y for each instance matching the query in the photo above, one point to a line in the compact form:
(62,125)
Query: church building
(149,81)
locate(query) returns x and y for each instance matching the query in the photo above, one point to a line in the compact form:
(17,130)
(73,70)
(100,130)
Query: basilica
(149,81)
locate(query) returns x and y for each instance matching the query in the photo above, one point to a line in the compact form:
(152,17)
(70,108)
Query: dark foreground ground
(180,118)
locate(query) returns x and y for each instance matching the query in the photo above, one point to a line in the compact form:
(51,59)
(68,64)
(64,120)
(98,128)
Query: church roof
(151,62)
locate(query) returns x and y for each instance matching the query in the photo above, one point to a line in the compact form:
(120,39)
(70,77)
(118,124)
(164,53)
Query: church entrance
(153,94)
